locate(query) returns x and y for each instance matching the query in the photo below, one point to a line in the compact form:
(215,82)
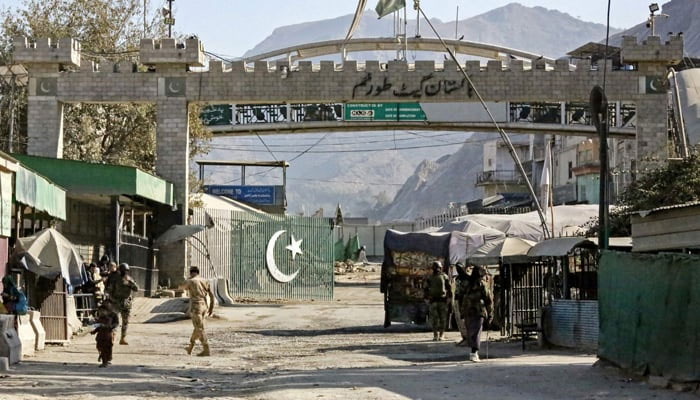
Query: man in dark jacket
(477,307)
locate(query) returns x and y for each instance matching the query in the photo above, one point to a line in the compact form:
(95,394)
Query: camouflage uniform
(477,306)
(438,295)
(120,289)
(198,290)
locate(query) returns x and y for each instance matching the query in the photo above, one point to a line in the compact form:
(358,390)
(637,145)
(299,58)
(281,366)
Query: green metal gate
(281,257)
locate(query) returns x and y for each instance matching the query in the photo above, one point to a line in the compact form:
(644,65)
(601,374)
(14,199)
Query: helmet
(437,265)
(105,259)
(123,267)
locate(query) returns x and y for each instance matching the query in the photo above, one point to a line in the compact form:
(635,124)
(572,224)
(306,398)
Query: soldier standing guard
(438,294)
(120,289)
(198,290)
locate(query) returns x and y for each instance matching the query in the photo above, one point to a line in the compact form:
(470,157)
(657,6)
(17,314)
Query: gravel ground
(314,350)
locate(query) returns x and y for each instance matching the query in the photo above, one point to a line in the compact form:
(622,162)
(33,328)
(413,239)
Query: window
(490,162)
(571,168)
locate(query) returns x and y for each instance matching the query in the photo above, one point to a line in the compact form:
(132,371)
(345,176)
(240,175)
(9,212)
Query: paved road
(335,350)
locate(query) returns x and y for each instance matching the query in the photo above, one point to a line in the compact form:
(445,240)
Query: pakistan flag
(386,7)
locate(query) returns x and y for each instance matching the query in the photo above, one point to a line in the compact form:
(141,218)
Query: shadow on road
(487,380)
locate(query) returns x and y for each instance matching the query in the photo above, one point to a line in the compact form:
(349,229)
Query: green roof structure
(79,177)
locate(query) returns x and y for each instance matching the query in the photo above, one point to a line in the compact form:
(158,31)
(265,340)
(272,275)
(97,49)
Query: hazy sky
(233,26)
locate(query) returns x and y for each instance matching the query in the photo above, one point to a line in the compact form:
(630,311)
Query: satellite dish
(165,11)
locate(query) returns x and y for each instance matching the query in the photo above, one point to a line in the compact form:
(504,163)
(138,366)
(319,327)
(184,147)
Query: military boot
(123,340)
(189,348)
(441,336)
(435,336)
(205,351)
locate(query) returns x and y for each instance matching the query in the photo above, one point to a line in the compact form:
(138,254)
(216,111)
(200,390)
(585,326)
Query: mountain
(435,184)
(367,181)
(683,16)
(535,29)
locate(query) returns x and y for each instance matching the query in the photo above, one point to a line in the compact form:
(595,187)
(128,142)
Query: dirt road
(313,350)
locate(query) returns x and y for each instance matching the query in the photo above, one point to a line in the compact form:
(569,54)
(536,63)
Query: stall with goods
(407,264)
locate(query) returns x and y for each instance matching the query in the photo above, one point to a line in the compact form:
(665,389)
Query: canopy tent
(559,247)
(49,254)
(508,250)
(464,243)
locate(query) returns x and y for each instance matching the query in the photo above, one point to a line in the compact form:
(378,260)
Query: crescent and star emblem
(294,247)
(173,88)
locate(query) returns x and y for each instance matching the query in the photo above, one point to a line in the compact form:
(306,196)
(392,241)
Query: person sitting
(14,300)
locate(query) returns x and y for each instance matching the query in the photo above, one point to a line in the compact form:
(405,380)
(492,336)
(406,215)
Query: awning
(559,247)
(79,177)
(36,191)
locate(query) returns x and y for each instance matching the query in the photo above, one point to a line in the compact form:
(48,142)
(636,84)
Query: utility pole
(145,9)
(170,21)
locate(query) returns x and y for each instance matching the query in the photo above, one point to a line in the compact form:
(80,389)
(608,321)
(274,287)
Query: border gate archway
(58,75)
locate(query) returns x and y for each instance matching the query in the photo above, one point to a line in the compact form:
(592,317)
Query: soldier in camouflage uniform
(438,293)
(199,289)
(476,307)
(120,289)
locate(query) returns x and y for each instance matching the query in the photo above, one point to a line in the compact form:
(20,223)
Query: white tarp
(567,220)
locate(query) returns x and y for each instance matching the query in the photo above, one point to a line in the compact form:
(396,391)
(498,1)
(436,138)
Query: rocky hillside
(363,182)
(535,29)
(683,16)
(435,184)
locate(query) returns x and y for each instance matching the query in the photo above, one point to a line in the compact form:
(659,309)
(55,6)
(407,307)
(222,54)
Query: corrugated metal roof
(671,207)
(79,177)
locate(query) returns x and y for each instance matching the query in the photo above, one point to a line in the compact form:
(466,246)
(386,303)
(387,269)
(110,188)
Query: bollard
(26,335)
(39,332)
(10,345)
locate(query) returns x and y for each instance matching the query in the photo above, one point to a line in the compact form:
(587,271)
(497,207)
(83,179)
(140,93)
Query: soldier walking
(120,289)
(477,307)
(199,289)
(438,294)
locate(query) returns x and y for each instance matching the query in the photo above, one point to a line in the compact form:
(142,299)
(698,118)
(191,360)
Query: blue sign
(263,195)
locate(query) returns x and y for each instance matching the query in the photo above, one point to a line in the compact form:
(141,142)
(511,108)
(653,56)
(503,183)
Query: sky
(231,27)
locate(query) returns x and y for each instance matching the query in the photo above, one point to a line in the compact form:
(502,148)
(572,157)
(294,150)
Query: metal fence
(649,307)
(253,251)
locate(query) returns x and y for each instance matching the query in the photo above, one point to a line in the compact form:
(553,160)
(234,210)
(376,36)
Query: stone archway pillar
(172,164)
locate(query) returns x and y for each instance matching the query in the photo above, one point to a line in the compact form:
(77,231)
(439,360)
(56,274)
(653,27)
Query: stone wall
(57,76)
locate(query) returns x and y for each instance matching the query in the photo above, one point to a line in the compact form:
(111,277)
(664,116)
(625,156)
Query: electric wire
(268,149)
(504,135)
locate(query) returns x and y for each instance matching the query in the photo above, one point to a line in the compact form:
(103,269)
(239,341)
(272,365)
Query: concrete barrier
(222,292)
(10,345)
(39,332)
(26,335)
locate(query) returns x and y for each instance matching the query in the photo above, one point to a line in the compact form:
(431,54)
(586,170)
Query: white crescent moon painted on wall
(272,265)
(173,90)
(652,86)
(42,88)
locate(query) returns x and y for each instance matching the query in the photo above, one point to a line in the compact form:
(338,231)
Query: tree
(108,30)
(677,182)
